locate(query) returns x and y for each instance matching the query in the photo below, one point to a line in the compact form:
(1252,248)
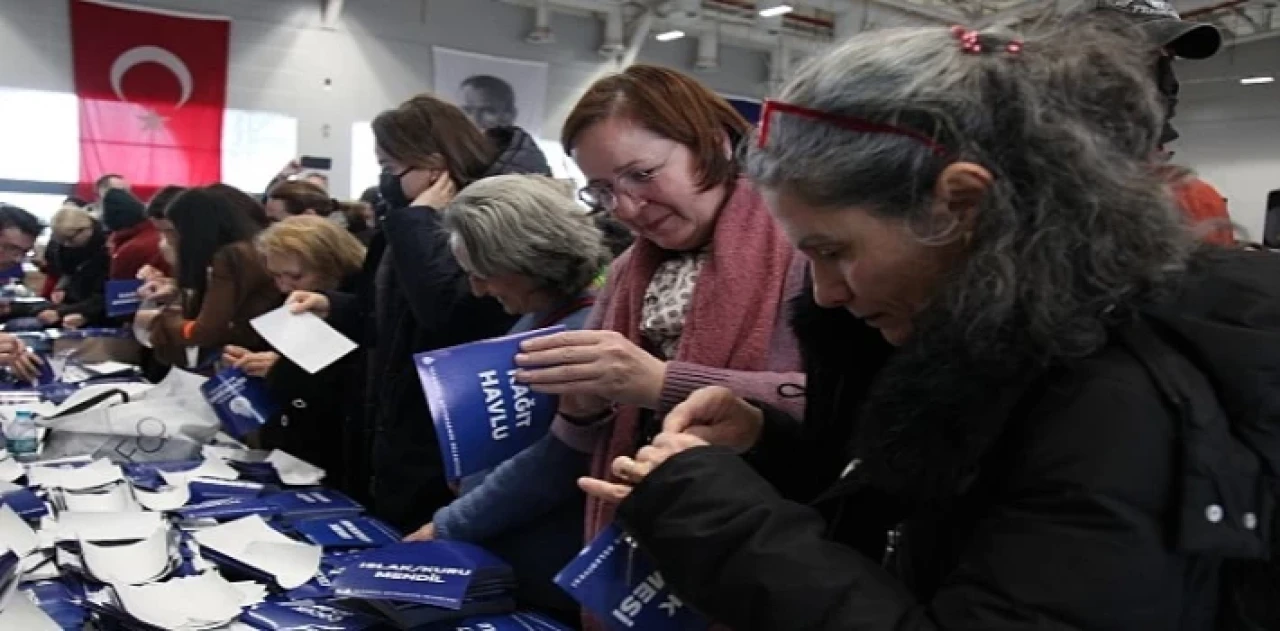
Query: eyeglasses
(856,123)
(602,195)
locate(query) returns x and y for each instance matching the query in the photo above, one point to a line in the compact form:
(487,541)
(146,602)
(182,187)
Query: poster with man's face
(493,91)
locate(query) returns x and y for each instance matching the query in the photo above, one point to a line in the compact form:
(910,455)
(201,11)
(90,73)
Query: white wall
(379,55)
(1231,132)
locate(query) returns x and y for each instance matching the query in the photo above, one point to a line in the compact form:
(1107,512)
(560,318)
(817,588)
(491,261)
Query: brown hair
(672,105)
(317,243)
(428,133)
(299,196)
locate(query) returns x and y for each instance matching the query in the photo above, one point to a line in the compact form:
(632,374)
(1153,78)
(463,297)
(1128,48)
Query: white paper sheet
(209,468)
(95,474)
(10,469)
(117,499)
(21,613)
(128,564)
(104,526)
(15,534)
(202,601)
(295,471)
(167,498)
(251,541)
(109,368)
(304,338)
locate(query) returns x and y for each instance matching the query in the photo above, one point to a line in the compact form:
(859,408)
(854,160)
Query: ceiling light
(773,12)
(668,36)
(1257,80)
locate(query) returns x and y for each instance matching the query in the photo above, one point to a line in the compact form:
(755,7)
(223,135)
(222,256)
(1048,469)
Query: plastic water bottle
(22,437)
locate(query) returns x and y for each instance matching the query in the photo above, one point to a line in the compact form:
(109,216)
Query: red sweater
(133,248)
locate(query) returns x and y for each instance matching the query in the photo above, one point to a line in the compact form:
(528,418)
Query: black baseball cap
(1160,21)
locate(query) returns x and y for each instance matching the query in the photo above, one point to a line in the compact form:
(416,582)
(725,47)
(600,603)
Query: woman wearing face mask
(698,299)
(221,282)
(77,254)
(321,419)
(413,291)
(1030,401)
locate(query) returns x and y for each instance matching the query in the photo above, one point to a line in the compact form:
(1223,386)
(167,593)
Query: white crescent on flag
(153,54)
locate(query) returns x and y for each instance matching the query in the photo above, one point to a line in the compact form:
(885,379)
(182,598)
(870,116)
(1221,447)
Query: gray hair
(1078,229)
(527,225)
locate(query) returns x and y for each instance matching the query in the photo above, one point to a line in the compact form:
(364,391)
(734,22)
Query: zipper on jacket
(892,540)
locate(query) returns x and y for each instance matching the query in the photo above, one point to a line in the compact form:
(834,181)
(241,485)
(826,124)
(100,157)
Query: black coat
(82,275)
(420,301)
(321,418)
(1079,497)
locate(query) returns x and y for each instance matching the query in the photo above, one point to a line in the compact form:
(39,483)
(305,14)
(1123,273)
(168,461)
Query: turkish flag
(152,87)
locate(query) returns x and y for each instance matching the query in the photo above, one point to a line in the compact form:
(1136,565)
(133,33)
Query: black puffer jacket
(420,301)
(82,276)
(1092,495)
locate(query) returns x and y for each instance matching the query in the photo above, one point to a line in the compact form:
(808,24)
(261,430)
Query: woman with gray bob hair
(1007,334)
(523,240)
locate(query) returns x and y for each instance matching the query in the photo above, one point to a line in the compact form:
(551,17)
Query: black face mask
(391,191)
(1167,84)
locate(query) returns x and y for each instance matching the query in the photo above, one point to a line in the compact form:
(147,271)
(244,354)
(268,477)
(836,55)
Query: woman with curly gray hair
(999,432)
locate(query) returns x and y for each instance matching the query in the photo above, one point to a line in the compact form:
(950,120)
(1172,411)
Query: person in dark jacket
(321,420)
(987,442)
(415,295)
(134,242)
(77,255)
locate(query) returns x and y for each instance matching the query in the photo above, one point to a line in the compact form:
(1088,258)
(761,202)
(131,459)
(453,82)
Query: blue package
(58,602)
(228,508)
(436,573)
(306,616)
(208,489)
(24,502)
(620,586)
(122,297)
(313,503)
(241,402)
(347,532)
(507,622)
(476,381)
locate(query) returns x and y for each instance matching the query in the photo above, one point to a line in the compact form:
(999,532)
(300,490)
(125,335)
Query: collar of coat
(923,414)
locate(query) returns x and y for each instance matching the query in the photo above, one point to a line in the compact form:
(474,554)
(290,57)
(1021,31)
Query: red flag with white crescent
(152,87)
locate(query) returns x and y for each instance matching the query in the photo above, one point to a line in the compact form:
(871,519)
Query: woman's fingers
(632,471)
(604,491)
(559,340)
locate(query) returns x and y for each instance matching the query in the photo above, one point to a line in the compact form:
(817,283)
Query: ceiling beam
(330,13)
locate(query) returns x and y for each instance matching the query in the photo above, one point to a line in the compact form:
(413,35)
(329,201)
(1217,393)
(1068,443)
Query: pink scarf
(729,325)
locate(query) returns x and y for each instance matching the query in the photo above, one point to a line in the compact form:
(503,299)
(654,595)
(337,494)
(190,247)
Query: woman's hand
(48,317)
(633,471)
(254,364)
(158,289)
(600,364)
(149,273)
(73,321)
(291,169)
(719,417)
(14,354)
(439,194)
(309,302)
(425,533)
(144,318)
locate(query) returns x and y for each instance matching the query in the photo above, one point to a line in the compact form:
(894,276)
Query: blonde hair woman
(320,417)
(77,255)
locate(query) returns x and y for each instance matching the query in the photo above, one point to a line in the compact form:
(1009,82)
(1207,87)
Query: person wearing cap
(134,242)
(1204,208)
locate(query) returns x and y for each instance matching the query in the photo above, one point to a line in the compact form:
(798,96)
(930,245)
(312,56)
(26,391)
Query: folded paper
(304,338)
(252,542)
(129,563)
(295,471)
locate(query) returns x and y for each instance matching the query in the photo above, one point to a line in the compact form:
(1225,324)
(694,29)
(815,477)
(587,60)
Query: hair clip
(971,41)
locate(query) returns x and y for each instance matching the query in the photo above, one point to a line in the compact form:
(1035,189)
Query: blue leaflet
(482,417)
(25,503)
(620,586)
(229,508)
(347,532)
(437,573)
(122,297)
(306,616)
(313,504)
(241,402)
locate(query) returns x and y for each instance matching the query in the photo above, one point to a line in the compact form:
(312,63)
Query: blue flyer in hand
(437,573)
(482,416)
(122,297)
(619,585)
(241,402)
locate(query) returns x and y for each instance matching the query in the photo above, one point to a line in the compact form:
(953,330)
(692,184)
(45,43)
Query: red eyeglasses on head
(844,121)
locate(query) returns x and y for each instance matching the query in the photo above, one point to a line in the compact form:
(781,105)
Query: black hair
(75,201)
(13,217)
(206,220)
(247,205)
(493,86)
(162,199)
(371,196)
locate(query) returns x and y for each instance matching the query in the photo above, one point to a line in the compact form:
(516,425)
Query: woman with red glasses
(1031,404)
